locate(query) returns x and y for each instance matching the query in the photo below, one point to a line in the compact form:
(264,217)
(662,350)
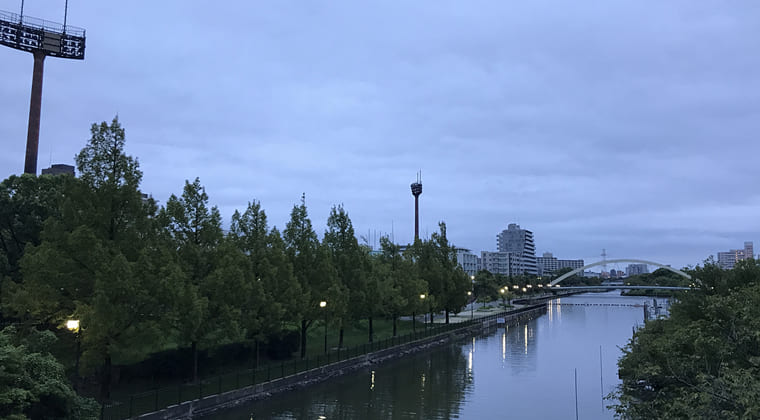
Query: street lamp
(322,305)
(422,297)
(472,304)
(73,326)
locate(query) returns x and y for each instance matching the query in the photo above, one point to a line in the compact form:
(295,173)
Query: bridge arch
(621,260)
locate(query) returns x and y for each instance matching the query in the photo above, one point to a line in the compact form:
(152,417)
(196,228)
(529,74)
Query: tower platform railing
(32,34)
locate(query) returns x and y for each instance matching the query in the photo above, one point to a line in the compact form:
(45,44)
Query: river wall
(207,405)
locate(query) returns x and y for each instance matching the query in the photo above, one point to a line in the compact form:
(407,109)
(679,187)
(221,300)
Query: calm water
(524,372)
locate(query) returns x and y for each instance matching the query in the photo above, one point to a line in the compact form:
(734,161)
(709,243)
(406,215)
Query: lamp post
(73,326)
(322,305)
(422,298)
(472,304)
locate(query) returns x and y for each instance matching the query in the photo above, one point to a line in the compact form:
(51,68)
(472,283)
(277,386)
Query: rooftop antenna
(41,38)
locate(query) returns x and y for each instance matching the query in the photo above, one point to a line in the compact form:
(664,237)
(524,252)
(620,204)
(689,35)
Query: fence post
(179,394)
(200,389)
(155,408)
(253,377)
(269,372)
(131,402)
(295,366)
(219,388)
(283,368)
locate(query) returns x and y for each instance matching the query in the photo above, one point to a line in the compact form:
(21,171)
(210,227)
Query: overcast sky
(625,125)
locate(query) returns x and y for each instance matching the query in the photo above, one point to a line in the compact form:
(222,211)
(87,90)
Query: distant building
(495,262)
(468,261)
(548,264)
(592,274)
(59,169)
(636,269)
(519,243)
(727,260)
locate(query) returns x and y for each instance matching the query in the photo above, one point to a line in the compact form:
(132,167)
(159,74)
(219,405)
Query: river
(526,371)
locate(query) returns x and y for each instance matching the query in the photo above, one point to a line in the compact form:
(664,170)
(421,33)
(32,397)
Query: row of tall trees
(143,279)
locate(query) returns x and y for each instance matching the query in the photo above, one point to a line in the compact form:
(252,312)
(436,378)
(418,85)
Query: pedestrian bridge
(621,260)
(619,286)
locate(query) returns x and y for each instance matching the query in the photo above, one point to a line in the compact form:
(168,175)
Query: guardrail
(37,23)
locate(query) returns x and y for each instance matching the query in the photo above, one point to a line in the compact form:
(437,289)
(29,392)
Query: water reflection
(443,379)
(501,374)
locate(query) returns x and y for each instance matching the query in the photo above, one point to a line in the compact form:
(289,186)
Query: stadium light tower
(416,192)
(41,38)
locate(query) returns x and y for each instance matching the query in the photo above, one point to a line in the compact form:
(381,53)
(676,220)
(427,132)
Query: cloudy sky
(625,125)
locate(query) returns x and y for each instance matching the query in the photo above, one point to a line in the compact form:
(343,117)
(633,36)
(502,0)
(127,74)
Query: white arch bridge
(621,260)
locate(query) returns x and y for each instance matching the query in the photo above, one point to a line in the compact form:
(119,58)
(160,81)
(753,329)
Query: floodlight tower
(41,38)
(416,192)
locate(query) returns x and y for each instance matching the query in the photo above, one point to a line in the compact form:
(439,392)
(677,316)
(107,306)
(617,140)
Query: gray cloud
(623,125)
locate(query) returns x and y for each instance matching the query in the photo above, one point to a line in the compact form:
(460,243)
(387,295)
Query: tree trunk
(303,338)
(394,325)
(447,316)
(431,317)
(371,330)
(105,384)
(257,354)
(340,334)
(194,347)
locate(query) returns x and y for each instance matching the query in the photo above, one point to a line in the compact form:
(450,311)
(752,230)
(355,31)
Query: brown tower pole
(416,191)
(416,217)
(35,109)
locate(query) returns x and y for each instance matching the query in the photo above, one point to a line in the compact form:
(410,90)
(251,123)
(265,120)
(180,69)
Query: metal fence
(158,399)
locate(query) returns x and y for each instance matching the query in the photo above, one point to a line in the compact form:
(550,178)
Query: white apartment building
(519,243)
(548,264)
(727,260)
(468,261)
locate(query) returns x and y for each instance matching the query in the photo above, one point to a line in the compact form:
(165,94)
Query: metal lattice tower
(41,38)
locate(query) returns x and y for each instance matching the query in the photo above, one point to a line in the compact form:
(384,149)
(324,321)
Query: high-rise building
(548,264)
(519,242)
(727,260)
(636,269)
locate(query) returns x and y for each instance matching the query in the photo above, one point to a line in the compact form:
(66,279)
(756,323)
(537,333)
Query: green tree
(436,264)
(270,270)
(26,201)
(399,286)
(311,265)
(702,362)
(210,299)
(486,286)
(89,261)
(33,384)
(351,269)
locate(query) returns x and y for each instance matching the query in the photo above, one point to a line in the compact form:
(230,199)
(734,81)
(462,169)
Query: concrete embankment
(207,405)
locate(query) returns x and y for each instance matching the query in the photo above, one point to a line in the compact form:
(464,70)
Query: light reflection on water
(521,372)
